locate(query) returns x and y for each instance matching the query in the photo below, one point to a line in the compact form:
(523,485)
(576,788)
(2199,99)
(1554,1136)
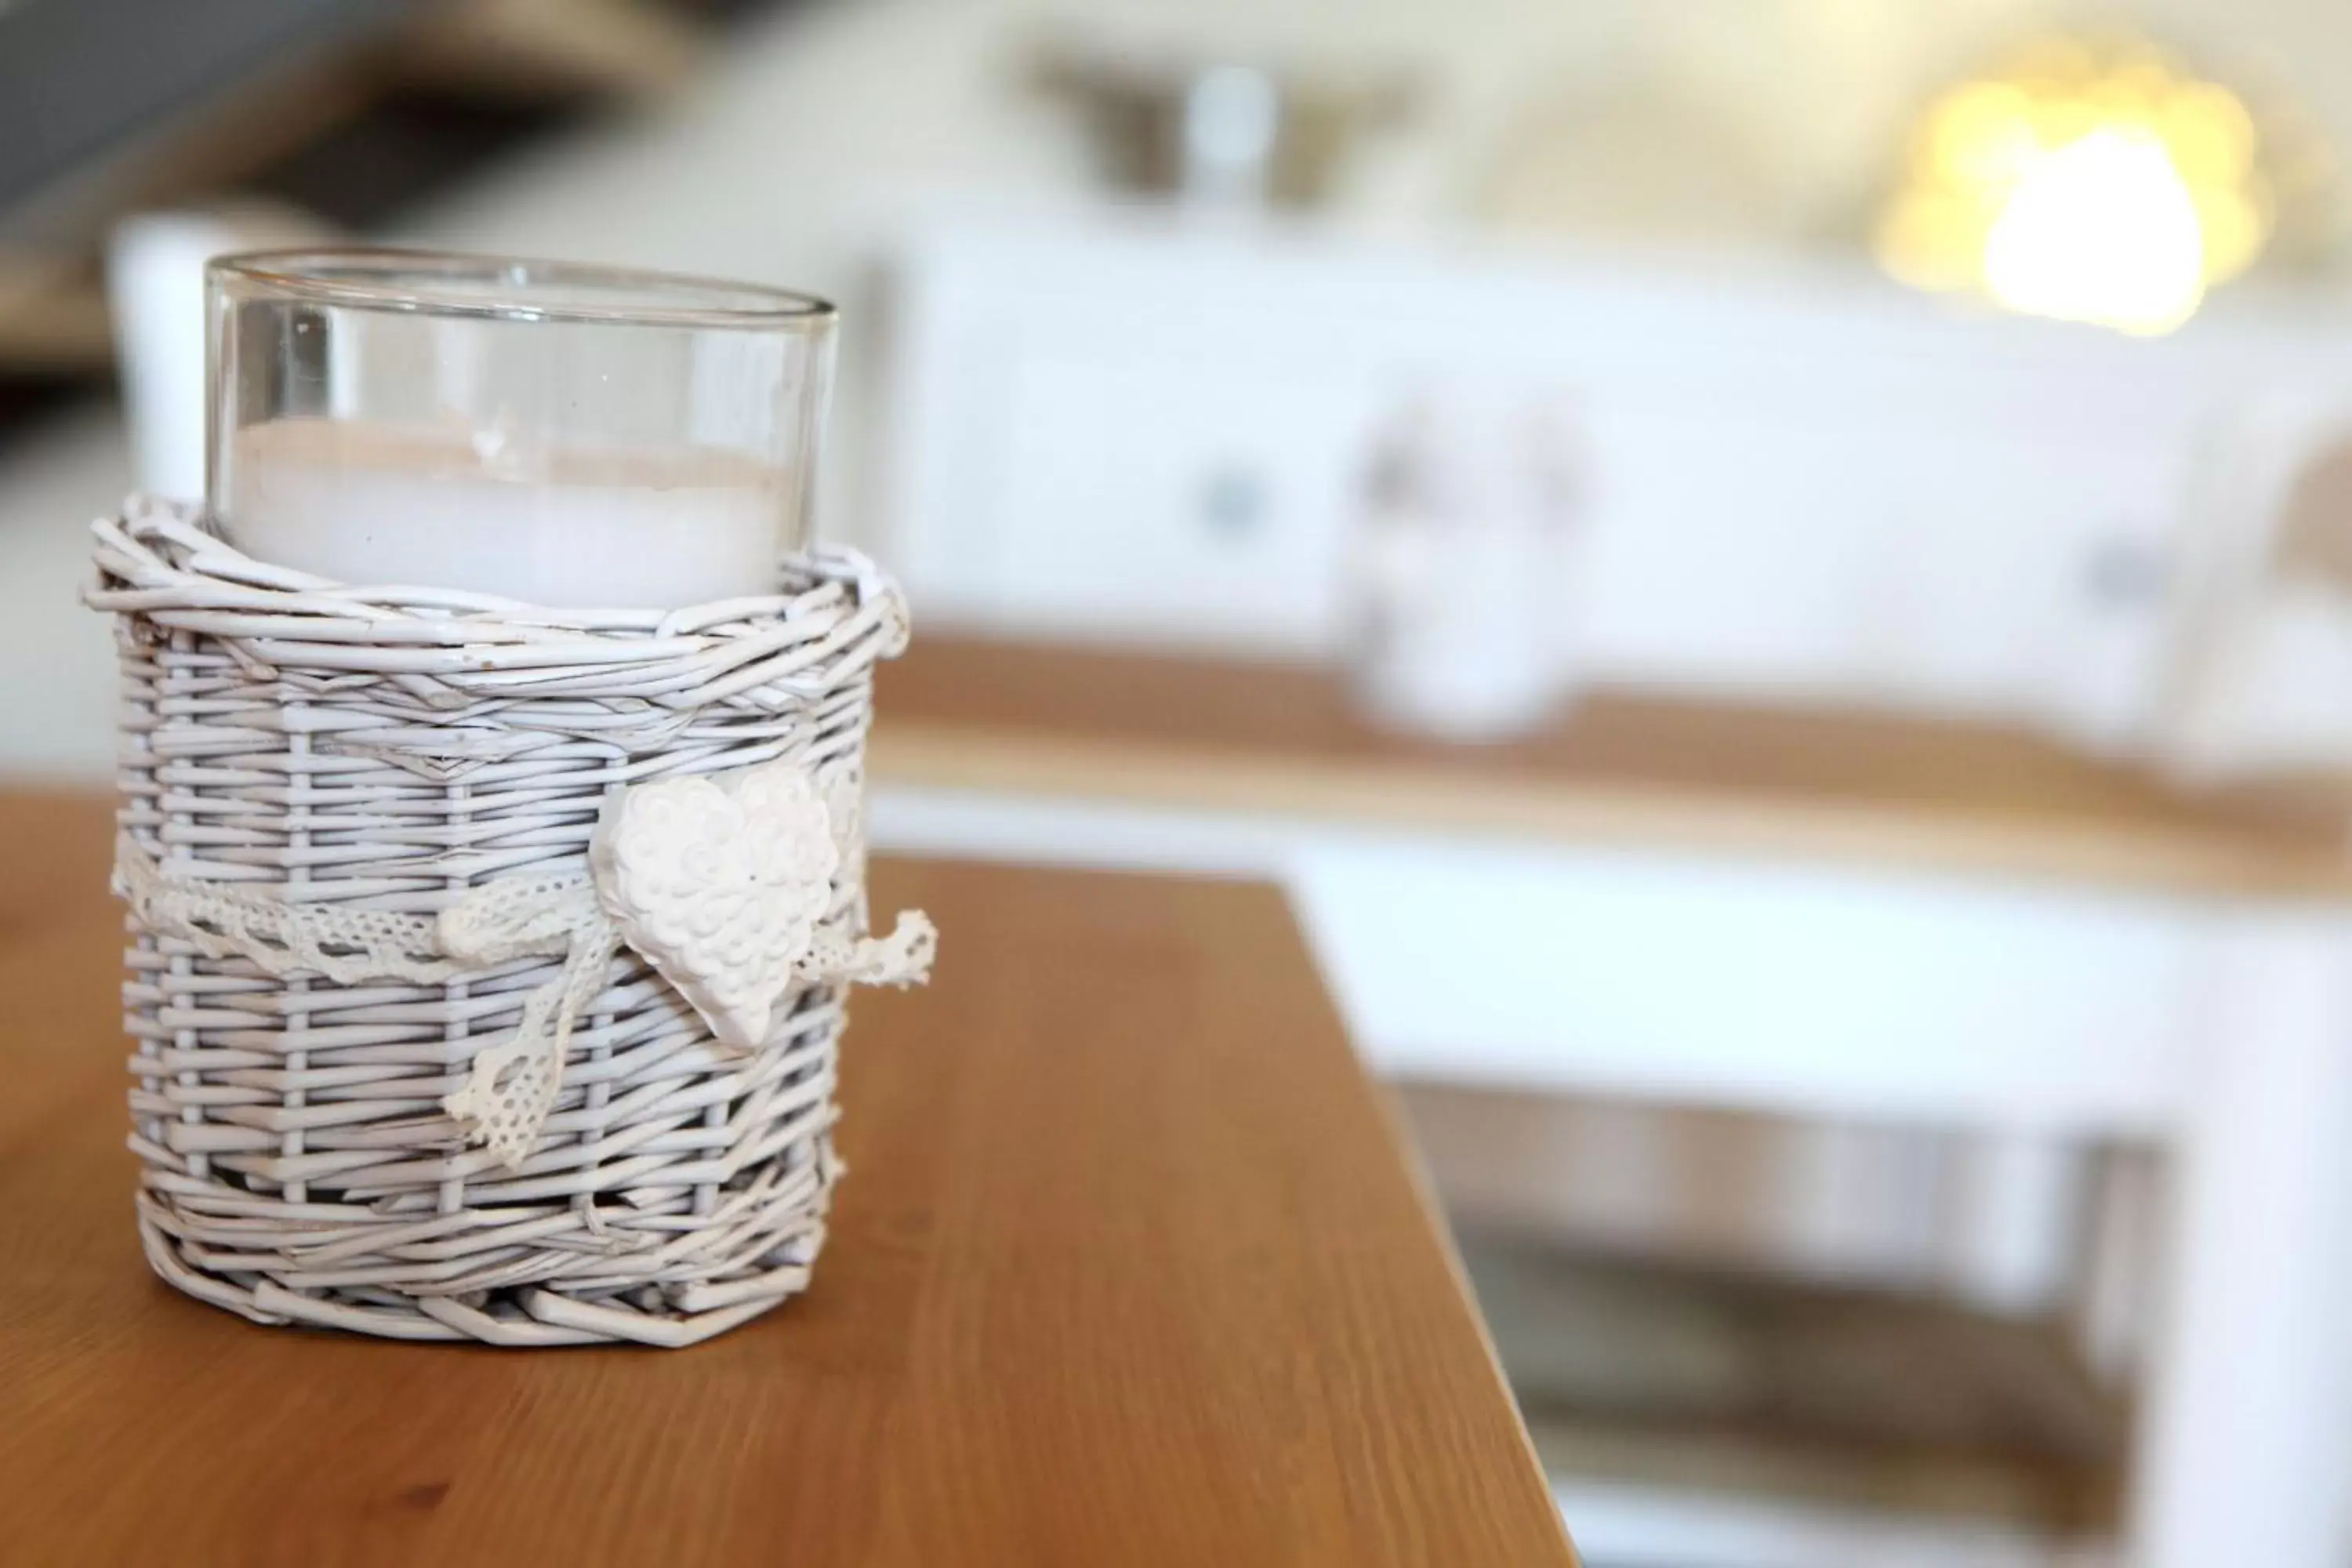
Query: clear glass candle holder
(567,436)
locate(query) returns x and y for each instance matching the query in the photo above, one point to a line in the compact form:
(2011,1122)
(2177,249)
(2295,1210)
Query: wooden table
(1129,1269)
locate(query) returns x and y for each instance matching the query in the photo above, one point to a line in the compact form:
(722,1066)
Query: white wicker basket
(317,782)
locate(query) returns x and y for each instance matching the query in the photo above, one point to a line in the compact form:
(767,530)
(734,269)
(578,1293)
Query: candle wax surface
(574,528)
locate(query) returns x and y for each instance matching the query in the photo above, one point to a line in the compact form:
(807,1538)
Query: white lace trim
(719,882)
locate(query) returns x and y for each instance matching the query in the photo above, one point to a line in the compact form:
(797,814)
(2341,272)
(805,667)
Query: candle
(376,502)
(573,436)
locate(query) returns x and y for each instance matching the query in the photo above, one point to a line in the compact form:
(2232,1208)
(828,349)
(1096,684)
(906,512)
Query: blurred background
(1770,574)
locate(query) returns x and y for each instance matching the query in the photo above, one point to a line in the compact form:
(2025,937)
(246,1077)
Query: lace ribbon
(513,1086)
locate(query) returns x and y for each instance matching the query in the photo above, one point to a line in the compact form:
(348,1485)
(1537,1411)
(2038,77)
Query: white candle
(381,504)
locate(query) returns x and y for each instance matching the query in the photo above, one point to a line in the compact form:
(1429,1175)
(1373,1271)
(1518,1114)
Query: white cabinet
(1230,510)
(1804,483)
(1702,980)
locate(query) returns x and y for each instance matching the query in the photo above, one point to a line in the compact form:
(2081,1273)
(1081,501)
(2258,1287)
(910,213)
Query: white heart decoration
(720,882)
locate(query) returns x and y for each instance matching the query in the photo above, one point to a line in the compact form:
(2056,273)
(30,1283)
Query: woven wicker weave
(389,751)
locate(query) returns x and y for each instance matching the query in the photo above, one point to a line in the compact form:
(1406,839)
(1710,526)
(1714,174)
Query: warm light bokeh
(2112,189)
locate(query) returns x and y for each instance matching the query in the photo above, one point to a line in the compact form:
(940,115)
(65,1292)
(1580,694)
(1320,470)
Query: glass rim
(466,284)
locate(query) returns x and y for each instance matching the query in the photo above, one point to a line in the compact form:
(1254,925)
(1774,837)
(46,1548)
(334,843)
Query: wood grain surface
(1212,735)
(1129,1270)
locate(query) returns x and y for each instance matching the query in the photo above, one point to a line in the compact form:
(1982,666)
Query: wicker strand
(306,755)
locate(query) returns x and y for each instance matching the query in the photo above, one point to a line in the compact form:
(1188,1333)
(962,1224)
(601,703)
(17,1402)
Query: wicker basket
(321,786)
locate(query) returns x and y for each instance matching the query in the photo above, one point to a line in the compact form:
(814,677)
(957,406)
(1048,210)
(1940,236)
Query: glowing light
(2101,230)
(2112,190)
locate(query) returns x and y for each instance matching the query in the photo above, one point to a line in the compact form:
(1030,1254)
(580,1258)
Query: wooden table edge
(1409,796)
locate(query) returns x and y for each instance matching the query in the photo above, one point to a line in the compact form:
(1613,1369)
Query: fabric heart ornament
(721,881)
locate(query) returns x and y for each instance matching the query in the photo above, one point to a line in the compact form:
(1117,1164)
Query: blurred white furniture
(155,292)
(1805,487)
(2261,680)
(57,723)
(1799,481)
